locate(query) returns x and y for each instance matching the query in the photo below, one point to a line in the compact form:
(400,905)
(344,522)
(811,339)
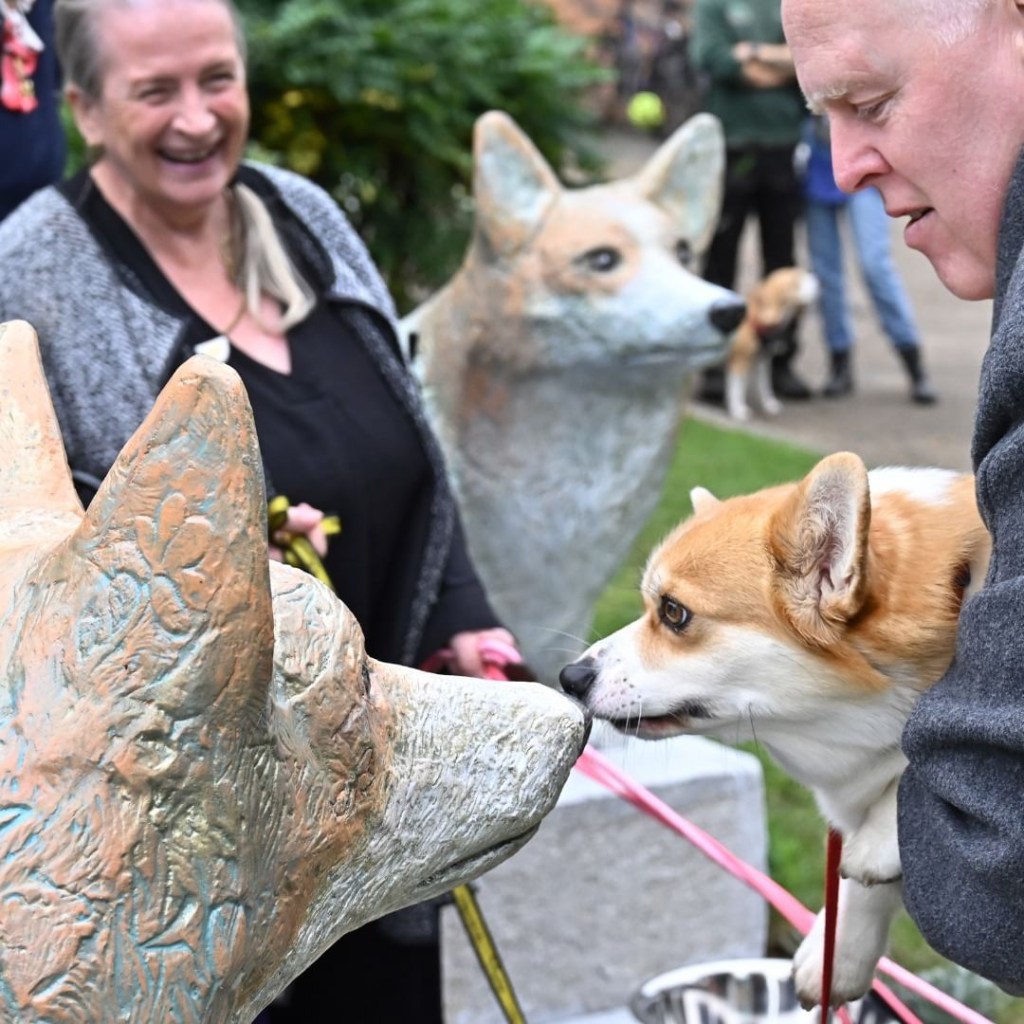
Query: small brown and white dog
(808,617)
(772,305)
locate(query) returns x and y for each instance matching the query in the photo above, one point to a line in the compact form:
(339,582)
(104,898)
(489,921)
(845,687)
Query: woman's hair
(263,265)
(79,51)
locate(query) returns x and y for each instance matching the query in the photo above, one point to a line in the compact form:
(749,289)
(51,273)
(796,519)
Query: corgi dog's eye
(684,252)
(673,614)
(603,259)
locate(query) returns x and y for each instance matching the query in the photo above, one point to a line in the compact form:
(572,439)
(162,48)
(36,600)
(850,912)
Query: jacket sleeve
(961,826)
(961,801)
(711,43)
(462,602)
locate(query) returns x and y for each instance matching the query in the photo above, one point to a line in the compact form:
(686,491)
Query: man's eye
(602,260)
(673,614)
(872,111)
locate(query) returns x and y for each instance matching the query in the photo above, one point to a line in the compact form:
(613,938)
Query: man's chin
(969,280)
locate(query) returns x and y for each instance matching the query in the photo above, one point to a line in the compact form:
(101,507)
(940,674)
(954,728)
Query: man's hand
(764,65)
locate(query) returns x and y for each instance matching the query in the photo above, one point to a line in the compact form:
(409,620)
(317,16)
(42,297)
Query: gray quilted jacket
(961,802)
(107,349)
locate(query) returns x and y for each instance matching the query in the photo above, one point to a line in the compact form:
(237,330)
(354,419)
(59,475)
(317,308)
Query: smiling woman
(169,245)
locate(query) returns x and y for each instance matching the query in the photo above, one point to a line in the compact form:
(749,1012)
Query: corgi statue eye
(673,614)
(366,679)
(684,252)
(602,259)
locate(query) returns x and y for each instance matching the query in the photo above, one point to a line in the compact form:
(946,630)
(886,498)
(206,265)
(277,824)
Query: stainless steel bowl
(737,992)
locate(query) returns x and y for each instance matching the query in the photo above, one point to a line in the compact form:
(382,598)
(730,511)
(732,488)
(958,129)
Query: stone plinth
(605,897)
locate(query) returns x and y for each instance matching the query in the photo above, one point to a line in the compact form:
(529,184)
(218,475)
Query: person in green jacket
(739,47)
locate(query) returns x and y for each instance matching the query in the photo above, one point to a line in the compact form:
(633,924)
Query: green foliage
(727,462)
(376,100)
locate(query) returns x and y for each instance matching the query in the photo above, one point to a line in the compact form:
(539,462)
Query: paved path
(878,421)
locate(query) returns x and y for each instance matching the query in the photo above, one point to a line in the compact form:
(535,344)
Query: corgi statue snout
(727,315)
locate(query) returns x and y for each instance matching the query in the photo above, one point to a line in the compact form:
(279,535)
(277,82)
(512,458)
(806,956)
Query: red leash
(833,854)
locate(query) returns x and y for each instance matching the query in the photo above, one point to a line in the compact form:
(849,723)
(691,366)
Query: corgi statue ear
(513,185)
(820,540)
(686,178)
(702,499)
(179,530)
(35,482)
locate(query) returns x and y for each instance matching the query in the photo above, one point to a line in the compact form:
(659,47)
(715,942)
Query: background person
(739,47)
(923,97)
(168,244)
(826,206)
(31,133)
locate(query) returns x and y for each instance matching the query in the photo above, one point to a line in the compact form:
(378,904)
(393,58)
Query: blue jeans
(869,224)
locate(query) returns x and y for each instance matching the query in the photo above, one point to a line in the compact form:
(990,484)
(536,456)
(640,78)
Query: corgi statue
(204,780)
(554,365)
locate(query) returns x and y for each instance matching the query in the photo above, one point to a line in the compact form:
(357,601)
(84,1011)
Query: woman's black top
(332,433)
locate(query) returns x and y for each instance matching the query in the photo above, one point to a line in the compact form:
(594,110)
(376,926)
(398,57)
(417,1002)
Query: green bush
(375,100)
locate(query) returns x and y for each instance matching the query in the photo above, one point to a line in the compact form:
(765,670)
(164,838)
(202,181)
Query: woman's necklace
(236,319)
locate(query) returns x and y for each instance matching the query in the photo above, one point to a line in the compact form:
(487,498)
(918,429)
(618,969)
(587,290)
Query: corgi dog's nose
(578,676)
(727,314)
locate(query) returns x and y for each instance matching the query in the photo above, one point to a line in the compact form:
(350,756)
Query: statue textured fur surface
(203,779)
(555,364)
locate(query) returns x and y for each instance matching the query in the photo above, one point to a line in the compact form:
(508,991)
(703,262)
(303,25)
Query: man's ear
(85,114)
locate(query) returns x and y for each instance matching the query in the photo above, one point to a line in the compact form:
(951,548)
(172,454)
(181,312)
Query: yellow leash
(297,551)
(487,953)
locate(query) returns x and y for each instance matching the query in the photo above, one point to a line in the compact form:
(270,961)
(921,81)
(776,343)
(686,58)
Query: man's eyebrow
(817,100)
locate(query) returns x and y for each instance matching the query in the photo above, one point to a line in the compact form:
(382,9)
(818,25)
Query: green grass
(730,462)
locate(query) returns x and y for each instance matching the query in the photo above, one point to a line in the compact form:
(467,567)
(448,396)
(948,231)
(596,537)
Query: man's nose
(856,162)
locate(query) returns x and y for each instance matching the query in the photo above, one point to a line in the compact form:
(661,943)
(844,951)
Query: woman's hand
(302,519)
(466,659)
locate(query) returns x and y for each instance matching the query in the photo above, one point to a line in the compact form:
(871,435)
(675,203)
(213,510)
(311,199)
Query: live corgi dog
(772,306)
(808,617)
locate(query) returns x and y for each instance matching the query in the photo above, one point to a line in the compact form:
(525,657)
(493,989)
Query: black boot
(841,381)
(921,390)
(712,386)
(785,383)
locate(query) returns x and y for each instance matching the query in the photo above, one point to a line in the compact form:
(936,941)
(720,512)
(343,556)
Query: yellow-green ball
(645,110)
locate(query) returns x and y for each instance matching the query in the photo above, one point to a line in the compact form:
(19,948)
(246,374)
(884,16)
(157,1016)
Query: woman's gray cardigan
(107,349)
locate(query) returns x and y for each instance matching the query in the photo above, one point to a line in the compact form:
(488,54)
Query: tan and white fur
(772,305)
(808,617)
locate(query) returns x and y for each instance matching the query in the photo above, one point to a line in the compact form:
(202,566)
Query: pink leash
(597,767)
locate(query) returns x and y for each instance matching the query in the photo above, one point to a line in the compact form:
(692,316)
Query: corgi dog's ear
(702,499)
(819,540)
(179,530)
(686,177)
(513,185)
